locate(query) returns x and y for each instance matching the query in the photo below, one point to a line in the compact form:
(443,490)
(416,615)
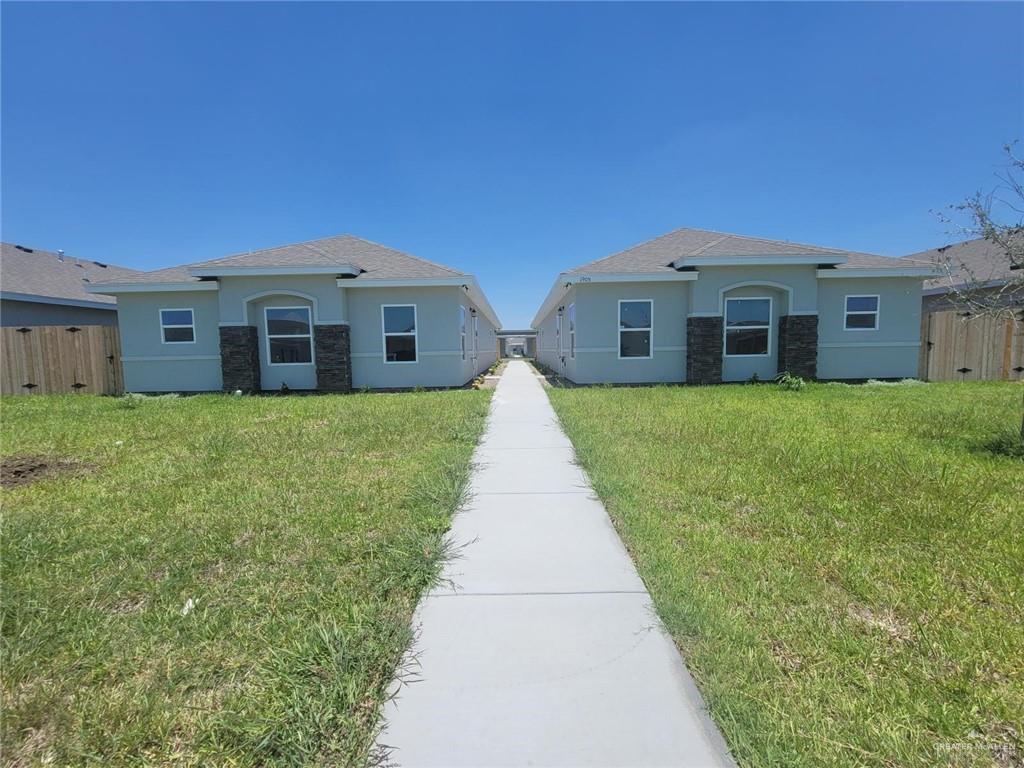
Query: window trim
(462,331)
(163,325)
(621,330)
(415,335)
(268,335)
(725,325)
(571,312)
(877,312)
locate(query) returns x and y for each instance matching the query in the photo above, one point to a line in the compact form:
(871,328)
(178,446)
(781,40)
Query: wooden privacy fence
(58,359)
(958,346)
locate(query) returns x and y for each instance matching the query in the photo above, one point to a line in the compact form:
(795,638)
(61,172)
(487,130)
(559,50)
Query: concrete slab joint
(240,358)
(542,646)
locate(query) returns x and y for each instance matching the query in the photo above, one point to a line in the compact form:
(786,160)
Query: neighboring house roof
(31,274)
(973,262)
(348,257)
(700,247)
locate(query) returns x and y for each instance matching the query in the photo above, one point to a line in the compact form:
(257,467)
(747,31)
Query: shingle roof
(377,262)
(972,262)
(658,255)
(42,273)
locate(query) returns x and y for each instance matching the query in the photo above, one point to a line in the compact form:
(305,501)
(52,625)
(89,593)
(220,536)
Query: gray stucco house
(40,287)
(328,315)
(705,307)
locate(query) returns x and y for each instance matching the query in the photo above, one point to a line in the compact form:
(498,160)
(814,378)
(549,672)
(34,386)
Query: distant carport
(522,340)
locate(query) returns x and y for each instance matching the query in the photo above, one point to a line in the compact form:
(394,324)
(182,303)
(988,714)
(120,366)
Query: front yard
(216,580)
(842,567)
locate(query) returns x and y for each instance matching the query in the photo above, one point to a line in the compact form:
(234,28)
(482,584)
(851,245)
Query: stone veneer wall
(240,357)
(333,358)
(704,350)
(798,345)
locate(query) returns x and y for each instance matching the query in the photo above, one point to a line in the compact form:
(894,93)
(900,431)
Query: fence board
(962,347)
(59,361)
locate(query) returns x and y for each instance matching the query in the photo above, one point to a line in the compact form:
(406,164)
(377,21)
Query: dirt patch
(129,605)
(22,470)
(885,620)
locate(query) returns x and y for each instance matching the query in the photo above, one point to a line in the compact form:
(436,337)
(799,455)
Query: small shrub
(131,400)
(791,383)
(1009,443)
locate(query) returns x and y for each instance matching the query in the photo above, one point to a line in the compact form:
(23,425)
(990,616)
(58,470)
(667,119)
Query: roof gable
(686,246)
(372,260)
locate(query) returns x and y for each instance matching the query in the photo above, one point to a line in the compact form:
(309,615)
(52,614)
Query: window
(572,331)
(289,335)
(635,327)
(462,329)
(748,327)
(177,326)
(399,332)
(861,313)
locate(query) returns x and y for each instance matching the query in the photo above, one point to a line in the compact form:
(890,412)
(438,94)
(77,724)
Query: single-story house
(977,267)
(328,315)
(704,307)
(45,288)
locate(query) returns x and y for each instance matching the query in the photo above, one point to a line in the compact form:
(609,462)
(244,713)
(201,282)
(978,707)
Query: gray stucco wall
(152,366)
(889,352)
(439,362)
(18,313)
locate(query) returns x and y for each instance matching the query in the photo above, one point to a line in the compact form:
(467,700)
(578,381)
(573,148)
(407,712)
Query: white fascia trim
(36,299)
(631,277)
(854,272)
(115,288)
(558,290)
(754,261)
(340,269)
(404,282)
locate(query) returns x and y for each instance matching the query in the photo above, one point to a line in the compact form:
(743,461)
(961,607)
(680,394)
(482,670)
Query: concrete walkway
(545,649)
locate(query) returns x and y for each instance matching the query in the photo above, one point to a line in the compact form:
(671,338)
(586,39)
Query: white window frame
(462,331)
(558,335)
(618,325)
(163,325)
(725,325)
(877,313)
(415,335)
(572,330)
(476,336)
(269,335)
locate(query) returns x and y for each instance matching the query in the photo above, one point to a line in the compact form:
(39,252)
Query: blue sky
(509,140)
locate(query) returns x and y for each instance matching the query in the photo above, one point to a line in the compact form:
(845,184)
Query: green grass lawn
(215,580)
(842,567)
